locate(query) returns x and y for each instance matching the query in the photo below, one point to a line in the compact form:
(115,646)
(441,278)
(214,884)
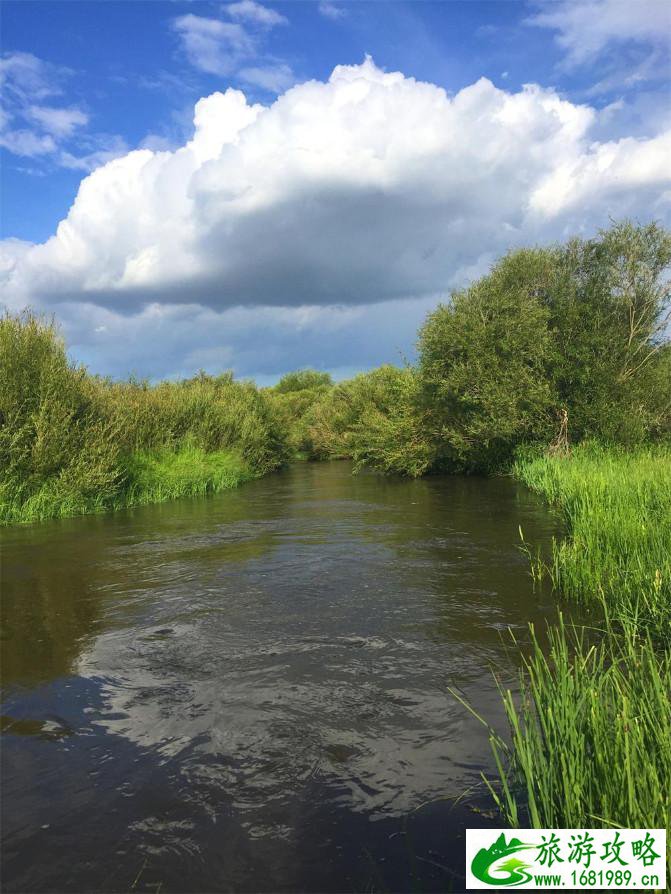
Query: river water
(250,692)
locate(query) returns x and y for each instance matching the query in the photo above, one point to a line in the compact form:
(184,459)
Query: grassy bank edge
(145,477)
(590,729)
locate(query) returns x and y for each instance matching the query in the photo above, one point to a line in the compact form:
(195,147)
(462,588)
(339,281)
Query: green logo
(510,871)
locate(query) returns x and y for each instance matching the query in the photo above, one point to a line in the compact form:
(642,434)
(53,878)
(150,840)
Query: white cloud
(587,27)
(24,129)
(273,78)
(231,50)
(368,188)
(31,128)
(211,45)
(250,11)
(58,122)
(26,143)
(331,10)
(25,77)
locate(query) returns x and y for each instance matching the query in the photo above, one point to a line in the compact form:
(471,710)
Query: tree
(484,363)
(302,379)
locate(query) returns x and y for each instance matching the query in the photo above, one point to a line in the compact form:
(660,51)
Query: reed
(590,729)
(72,443)
(617,508)
(590,734)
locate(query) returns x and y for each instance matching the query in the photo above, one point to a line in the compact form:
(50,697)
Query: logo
(505,868)
(574,859)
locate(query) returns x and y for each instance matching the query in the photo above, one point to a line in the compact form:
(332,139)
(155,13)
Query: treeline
(565,342)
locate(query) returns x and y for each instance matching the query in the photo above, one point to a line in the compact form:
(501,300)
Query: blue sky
(266,245)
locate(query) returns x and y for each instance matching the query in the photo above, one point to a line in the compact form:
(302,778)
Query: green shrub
(484,363)
(302,380)
(72,443)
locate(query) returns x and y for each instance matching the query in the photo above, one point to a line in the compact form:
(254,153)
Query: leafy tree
(484,362)
(302,379)
(609,306)
(577,331)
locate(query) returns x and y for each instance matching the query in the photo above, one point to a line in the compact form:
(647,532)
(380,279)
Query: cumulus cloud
(585,28)
(368,190)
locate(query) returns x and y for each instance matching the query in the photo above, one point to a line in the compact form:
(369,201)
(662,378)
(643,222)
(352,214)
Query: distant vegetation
(567,340)
(72,443)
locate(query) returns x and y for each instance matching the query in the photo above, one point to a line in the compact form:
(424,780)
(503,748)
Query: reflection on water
(250,693)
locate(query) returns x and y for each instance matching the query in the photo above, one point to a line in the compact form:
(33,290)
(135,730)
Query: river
(250,692)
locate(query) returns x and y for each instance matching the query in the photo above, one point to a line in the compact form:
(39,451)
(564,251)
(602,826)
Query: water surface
(250,692)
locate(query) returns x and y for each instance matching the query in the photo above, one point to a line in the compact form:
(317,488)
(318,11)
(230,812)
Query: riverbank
(590,734)
(145,477)
(73,443)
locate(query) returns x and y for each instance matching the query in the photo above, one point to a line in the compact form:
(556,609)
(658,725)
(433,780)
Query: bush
(292,399)
(72,443)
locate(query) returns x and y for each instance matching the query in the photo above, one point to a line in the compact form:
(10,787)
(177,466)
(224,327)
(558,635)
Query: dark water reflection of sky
(250,692)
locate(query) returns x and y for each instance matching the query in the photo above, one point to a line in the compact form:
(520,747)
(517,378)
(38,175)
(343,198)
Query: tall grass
(590,731)
(590,734)
(72,443)
(617,507)
(189,472)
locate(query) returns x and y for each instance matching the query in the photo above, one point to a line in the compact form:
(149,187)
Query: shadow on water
(250,692)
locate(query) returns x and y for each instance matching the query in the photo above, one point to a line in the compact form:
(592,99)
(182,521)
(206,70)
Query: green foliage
(590,734)
(211,412)
(617,507)
(292,400)
(188,472)
(303,379)
(609,306)
(72,443)
(390,432)
(373,418)
(484,363)
(576,328)
(56,447)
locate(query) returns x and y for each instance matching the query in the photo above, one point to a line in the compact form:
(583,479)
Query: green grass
(72,442)
(144,477)
(590,730)
(617,507)
(190,472)
(590,734)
